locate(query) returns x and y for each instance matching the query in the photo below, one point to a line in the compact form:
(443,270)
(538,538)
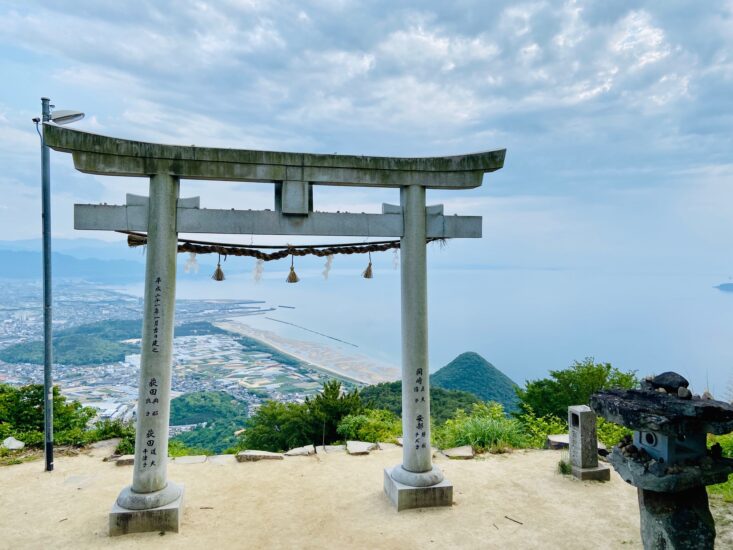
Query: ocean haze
(524,320)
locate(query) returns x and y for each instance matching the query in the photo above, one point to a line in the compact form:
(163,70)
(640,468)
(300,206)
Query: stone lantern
(667,459)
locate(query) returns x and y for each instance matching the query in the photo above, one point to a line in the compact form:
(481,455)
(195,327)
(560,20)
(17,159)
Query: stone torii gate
(152,502)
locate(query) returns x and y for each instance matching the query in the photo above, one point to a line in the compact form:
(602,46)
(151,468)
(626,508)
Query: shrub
(724,490)
(725,441)
(610,433)
(178,448)
(486,428)
(537,428)
(126,446)
(372,425)
(564,467)
(108,429)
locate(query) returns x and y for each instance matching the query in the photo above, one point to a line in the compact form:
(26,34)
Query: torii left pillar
(152,502)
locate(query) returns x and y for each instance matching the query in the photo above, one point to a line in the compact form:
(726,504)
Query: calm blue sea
(525,322)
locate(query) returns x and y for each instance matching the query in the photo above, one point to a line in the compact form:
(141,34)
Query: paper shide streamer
(257,272)
(327,266)
(191,265)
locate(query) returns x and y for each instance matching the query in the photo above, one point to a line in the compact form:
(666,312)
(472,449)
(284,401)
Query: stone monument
(583,444)
(153,502)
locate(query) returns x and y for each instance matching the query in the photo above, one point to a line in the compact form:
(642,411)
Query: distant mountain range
(21,264)
(472,373)
(115,263)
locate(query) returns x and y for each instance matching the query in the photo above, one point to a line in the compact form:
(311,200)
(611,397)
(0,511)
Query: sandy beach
(354,366)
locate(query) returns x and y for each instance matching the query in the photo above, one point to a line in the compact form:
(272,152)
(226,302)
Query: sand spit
(324,501)
(355,367)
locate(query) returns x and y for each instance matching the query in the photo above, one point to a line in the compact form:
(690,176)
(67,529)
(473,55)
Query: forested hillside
(472,373)
(443,403)
(222,413)
(83,345)
(96,343)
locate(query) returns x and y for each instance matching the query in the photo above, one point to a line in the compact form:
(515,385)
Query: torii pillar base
(123,521)
(405,497)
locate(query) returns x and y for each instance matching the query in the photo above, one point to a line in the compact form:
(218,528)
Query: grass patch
(723,490)
(486,428)
(10,458)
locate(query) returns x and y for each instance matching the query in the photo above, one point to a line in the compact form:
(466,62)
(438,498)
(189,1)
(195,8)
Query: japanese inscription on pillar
(151,409)
(155,347)
(419,396)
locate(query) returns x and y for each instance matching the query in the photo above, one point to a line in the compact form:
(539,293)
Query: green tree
(22,408)
(277,427)
(328,408)
(21,415)
(371,425)
(571,386)
(281,426)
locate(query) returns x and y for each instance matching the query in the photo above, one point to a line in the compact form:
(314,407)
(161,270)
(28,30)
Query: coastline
(357,370)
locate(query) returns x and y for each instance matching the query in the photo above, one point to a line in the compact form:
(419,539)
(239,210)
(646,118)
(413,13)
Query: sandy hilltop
(329,500)
(332,500)
(322,356)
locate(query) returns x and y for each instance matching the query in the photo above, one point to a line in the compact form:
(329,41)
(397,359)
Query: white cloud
(637,38)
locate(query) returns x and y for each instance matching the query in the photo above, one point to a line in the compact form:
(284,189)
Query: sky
(616,116)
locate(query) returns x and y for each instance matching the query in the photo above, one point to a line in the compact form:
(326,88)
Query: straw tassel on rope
(292,276)
(368,271)
(218,273)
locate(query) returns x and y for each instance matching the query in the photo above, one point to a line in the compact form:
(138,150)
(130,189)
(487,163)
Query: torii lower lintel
(191,219)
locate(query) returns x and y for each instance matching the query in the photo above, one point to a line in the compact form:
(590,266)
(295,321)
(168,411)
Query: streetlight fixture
(58,117)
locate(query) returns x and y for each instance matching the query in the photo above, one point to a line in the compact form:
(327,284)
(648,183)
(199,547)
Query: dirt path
(326,501)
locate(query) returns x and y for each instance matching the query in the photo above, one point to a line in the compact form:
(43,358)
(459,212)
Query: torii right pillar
(416,483)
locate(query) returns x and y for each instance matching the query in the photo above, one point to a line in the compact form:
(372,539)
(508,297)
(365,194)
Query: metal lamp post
(59,117)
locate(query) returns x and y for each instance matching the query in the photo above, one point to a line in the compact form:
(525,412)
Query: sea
(526,322)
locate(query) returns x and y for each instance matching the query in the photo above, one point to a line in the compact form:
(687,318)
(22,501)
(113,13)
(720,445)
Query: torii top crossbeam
(95,154)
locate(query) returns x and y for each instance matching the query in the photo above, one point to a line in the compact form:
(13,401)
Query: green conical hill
(472,373)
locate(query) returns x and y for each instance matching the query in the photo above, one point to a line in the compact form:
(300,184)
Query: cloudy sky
(616,116)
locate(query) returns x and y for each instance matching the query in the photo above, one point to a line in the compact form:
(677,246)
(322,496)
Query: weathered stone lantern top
(668,452)
(647,409)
